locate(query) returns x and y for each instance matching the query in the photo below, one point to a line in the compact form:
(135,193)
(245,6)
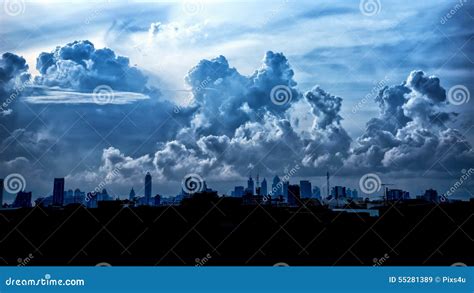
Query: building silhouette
(338,192)
(277,186)
(293,195)
(250,186)
(22,200)
(148,187)
(285,189)
(132,194)
(431,195)
(397,194)
(58,192)
(264,187)
(305,189)
(238,191)
(157,200)
(316,192)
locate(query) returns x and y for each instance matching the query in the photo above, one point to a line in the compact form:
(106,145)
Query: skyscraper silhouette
(22,200)
(305,189)
(131,195)
(293,195)
(250,185)
(147,188)
(58,192)
(264,188)
(276,186)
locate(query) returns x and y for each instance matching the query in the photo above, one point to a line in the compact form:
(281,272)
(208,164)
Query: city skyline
(163,91)
(193,184)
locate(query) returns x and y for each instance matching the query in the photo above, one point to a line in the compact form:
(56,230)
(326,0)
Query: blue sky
(168,112)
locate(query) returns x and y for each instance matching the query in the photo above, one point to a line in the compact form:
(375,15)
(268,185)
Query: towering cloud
(411,132)
(13,75)
(80,66)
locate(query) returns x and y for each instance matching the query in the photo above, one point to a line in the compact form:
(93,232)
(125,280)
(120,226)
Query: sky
(102,92)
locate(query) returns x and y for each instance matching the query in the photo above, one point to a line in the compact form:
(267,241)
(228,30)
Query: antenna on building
(327,183)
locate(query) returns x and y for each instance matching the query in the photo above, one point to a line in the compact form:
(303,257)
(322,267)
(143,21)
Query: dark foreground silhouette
(222,231)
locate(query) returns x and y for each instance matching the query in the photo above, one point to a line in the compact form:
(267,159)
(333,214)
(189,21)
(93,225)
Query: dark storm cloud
(411,133)
(80,66)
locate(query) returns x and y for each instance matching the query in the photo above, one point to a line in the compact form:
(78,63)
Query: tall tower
(58,192)
(264,188)
(131,195)
(147,187)
(327,183)
(257,189)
